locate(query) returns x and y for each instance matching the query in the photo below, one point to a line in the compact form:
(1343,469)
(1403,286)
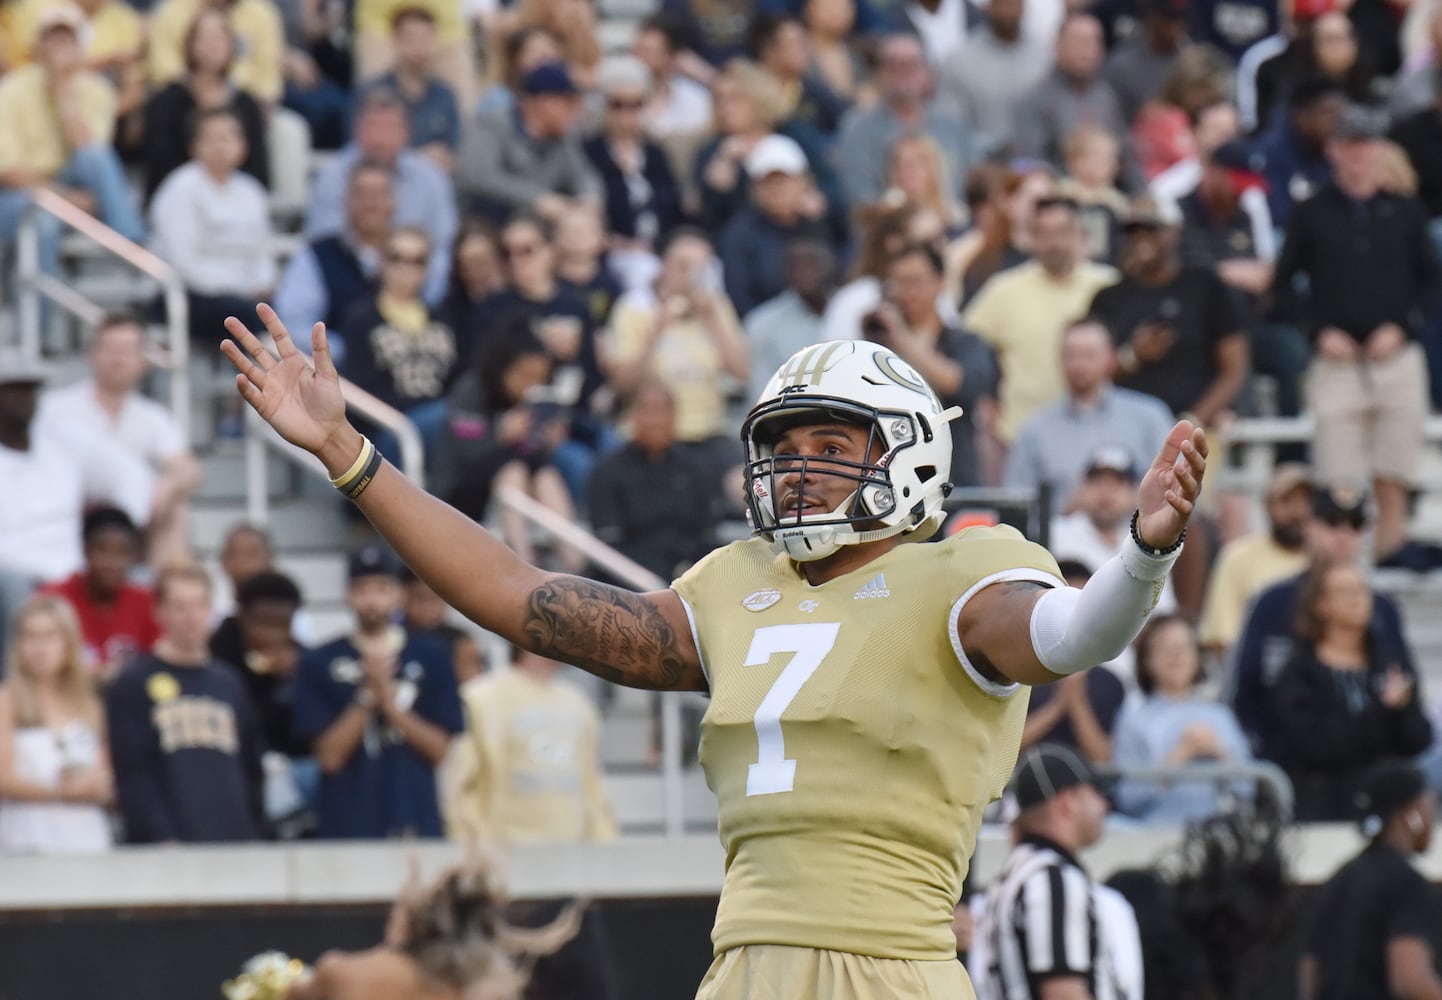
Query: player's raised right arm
(640,640)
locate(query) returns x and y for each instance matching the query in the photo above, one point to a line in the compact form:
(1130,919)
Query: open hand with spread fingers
(301,400)
(1169,491)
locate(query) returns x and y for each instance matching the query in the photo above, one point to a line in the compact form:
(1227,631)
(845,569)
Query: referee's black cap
(1386,788)
(1045,771)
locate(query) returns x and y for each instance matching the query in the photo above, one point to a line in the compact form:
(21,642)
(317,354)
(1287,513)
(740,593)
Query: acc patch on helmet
(162,688)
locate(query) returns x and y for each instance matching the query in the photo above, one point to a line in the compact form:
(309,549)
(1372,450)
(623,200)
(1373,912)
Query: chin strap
(810,542)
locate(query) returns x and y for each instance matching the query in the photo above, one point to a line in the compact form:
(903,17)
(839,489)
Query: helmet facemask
(872,511)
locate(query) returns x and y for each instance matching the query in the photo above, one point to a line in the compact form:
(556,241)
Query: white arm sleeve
(1074,630)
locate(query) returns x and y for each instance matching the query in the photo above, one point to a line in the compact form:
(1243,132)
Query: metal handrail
(33,285)
(260,436)
(640,578)
(1262,771)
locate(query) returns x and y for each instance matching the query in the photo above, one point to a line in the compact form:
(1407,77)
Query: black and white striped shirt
(1043,918)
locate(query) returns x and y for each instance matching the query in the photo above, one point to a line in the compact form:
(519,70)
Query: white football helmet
(901,490)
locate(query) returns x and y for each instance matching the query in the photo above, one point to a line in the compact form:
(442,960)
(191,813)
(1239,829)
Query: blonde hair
(940,198)
(74,681)
(455,930)
(1079,139)
(177,572)
(757,86)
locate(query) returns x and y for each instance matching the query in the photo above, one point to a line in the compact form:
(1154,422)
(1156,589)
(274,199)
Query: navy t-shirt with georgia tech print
(186,747)
(386,789)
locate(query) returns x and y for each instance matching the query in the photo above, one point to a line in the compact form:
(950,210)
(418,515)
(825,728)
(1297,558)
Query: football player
(867,695)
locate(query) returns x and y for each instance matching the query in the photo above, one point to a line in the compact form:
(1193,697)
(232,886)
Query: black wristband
(356,488)
(1149,550)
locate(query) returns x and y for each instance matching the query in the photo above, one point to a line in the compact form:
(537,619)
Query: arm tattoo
(615,634)
(1006,590)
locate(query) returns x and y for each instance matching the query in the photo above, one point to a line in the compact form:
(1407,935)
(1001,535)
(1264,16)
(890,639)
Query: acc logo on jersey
(760,600)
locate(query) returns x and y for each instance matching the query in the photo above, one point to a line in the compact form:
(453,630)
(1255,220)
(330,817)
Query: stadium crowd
(571,268)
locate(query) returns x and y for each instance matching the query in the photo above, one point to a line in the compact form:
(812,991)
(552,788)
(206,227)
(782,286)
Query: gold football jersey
(850,747)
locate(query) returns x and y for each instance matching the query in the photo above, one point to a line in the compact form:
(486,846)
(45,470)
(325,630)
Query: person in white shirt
(49,475)
(211,222)
(108,409)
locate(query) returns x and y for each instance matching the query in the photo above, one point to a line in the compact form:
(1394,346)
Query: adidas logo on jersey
(875,587)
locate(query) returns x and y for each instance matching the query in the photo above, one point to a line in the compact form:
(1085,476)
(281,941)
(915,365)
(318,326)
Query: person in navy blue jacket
(184,740)
(381,706)
(1339,515)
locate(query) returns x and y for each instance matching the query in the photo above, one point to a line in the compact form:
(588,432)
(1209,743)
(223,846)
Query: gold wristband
(343,480)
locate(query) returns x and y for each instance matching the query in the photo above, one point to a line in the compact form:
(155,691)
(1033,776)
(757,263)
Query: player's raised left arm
(1025,632)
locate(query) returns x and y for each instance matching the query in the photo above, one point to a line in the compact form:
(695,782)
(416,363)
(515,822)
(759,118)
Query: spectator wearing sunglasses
(643,198)
(398,350)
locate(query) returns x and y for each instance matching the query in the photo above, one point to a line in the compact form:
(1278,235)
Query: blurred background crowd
(571,241)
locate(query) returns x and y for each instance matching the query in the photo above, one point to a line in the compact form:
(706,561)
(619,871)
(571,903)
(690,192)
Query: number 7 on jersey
(809,645)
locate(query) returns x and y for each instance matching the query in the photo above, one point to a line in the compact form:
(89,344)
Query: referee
(1378,920)
(1046,931)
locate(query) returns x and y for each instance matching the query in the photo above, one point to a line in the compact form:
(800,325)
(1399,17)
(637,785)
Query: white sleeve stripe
(987,685)
(1076,921)
(1036,912)
(695,636)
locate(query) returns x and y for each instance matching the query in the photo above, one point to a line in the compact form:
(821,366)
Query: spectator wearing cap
(114,41)
(1075,94)
(431,105)
(1343,703)
(58,119)
(1368,380)
(906,104)
(997,66)
(259,51)
(642,195)
(1293,151)
(1372,932)
(749,107)
(1172,726)
(1054,446)
(1178,333)
(1042,931)
(380,707)
(323,278)
(423,196)
(116,616)
(1334,534)
(1022,312)
(1098,523)
(1137,68)
(783,207)
(50,476)
(184,740)
(531,160)
(1249,565)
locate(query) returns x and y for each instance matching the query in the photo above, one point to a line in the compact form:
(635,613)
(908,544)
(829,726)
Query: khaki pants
(1369,417)
(455,64)
(777,972)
